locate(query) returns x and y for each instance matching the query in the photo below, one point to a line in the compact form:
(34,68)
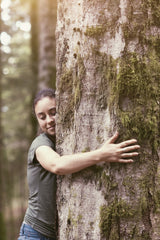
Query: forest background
(21,76)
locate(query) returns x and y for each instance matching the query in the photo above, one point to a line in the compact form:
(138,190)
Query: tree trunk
(34,58)
(47,20)
(2,221)
(108,73)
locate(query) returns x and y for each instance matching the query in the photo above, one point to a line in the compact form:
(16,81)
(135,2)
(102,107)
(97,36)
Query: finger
(113,138)
(128,155)
(131,148)
(126,161)
(128,142)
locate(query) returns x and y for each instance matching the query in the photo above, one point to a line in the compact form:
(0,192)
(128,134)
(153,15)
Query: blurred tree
(17,88)
(43,22)
(47,22)
(108,78)
(2,162)
(34,55)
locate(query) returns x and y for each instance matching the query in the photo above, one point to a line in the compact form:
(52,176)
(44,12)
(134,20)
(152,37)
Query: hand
(112,152)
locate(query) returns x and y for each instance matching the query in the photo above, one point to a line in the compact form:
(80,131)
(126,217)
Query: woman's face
(45,111)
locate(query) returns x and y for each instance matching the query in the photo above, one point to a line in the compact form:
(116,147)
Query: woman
(44,164)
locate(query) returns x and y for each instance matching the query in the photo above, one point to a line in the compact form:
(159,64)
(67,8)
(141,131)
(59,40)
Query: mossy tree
(108,78)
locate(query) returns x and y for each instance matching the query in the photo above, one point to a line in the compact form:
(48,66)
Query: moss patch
(106,70)
(95,31)
(70,86)
(136,94)
(112,215)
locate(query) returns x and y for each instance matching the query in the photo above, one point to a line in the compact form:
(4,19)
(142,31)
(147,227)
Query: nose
(50,119)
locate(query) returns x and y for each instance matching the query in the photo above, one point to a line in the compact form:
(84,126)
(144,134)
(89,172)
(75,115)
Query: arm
(67,164)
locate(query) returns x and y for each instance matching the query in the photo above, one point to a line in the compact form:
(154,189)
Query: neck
(53,138)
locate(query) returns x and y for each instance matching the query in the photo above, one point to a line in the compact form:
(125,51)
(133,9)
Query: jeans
(28,233)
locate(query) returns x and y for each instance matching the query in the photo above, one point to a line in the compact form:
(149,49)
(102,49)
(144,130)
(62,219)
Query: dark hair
(47,92)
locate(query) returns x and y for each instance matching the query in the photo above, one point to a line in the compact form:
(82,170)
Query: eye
(42,116)
(53,113)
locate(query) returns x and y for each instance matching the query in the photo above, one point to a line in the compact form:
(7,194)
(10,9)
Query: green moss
(118,212)
(108,182)
(66,81)
(130,87)
(135,94)
(73,220)
(150,193)
(140,22)
(129,184)
(105,24)
(71,85)
(106,70)
(77,81)
(99,139)
(112,215)
(157,201)
(87,149)
(65,86)
(154,6)
(95,31)
(144,204)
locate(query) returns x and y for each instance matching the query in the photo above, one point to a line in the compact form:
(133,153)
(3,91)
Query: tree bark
(47,20)
(108,73)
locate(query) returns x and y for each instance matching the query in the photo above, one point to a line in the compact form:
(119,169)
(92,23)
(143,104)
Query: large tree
(108,78)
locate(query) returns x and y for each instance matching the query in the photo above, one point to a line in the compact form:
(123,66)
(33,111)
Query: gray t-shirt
(41,211)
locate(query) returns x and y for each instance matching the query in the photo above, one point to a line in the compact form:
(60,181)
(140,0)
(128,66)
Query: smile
(50,128)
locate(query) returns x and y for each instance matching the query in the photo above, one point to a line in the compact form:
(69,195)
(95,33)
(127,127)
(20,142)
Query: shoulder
(42,140)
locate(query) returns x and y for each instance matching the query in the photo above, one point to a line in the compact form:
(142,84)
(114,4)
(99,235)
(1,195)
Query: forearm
(73,163)
(109,152)
(66,164)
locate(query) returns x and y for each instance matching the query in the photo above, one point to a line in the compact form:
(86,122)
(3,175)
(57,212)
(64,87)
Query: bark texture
(108,73)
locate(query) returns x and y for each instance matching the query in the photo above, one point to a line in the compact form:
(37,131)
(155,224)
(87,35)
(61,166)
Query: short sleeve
(41,140)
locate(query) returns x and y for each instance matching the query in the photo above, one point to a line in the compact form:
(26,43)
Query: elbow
(57,170)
